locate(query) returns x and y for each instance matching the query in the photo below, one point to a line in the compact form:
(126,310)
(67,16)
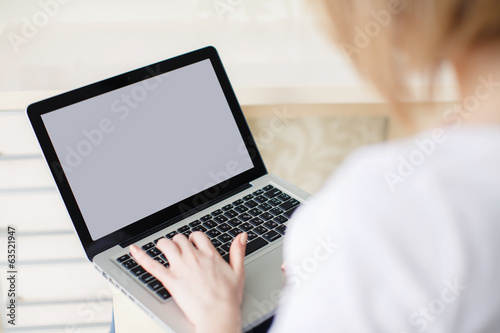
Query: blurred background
(283,68)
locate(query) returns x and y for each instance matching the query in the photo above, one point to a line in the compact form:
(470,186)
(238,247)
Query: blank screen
(139,149)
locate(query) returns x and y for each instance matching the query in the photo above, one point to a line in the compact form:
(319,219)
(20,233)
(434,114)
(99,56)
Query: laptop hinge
(185,215)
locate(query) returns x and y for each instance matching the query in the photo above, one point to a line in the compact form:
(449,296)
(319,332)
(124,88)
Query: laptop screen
(133,151)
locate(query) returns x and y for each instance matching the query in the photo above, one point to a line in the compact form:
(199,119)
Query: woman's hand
(207,289)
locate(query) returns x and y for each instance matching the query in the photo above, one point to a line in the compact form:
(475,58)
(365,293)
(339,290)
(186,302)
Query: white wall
(262,43)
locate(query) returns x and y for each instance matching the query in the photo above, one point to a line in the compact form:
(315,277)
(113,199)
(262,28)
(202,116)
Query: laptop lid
(140,151)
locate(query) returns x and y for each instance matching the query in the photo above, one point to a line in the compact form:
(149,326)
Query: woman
(414,225)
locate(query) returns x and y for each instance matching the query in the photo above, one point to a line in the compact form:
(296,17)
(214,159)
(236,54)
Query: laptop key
(266,216)
(234,232)
(224,238)
(155,285)
(272,193)
(187,233)
(265,206)
(171,235)
(260,199)
(160,260)
(182,229)
(251,204)
(138,270)
(254,212)
(234,222)
(245,217)
(217,212)
(194,223)
(256,221)
(129,264)
(206,218)
(146,278)
(271,235)
(281,229)
(248,197)
(238,202)
(274,202)
(268,187)
(224,227)
(163,293)
(260,230)
(271,224)
(148,246)
(246,226)
(227,207)
(199,228)
(230,214)
(280,219)
(226,247)
(276,211)
(213,233)
(283,197)
(241,209)
(216,242)
(221,251)
(153,252)
(210,224)
(123,258)
(254,245)
(251,235)
(220,219)
(289,204)
(258,192)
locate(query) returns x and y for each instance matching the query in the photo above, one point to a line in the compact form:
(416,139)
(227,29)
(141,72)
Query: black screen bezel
(162,217)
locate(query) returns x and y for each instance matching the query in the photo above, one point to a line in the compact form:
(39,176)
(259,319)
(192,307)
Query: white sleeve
(360,258)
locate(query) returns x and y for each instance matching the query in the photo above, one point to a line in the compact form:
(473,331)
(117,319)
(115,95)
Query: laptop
(162,150)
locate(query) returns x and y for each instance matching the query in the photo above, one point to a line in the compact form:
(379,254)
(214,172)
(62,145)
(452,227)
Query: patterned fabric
(305,150)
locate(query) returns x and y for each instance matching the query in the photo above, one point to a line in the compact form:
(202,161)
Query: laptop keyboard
(262,214)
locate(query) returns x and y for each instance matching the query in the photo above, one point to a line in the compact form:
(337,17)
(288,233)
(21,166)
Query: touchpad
(263,284)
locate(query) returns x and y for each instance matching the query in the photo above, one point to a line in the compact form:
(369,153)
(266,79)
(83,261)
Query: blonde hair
(387,40)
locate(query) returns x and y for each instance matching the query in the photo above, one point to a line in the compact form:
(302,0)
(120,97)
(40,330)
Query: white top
(421,255)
